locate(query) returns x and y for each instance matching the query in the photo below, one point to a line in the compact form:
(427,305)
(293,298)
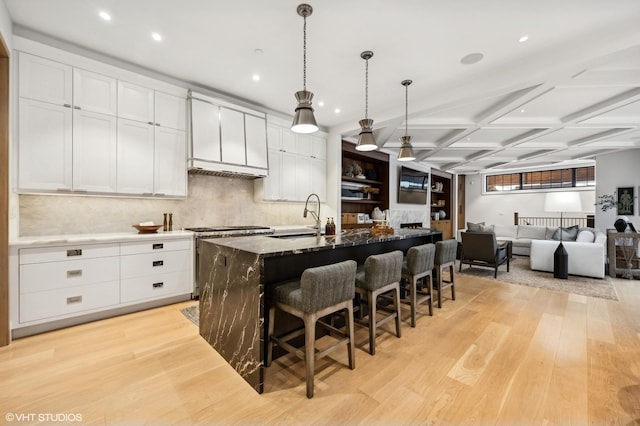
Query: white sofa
(587,256)
(519,235)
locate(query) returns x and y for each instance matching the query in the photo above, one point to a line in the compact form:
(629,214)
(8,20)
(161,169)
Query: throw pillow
(568,234)
(585,236)
(474,227)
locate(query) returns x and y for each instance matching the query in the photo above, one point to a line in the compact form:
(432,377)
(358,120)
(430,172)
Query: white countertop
(40,240)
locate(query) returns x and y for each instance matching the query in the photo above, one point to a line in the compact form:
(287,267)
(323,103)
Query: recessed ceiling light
(523,39)
(258,51)
(321,103)
(104,15)
(156,36)
(337,110)
(471,58)
(256,77)
(522,110)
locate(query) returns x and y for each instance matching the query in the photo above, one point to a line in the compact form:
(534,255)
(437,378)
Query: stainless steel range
(220,232)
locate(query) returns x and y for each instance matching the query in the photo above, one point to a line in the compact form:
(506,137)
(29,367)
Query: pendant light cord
(406,109)
(366,89)
(304,54)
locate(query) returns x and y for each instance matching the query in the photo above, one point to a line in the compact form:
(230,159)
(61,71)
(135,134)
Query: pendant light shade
(406,150)
(366,141)
(303,120)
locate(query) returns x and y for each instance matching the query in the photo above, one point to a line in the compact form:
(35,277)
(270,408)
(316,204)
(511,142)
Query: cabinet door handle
(158,263)
(158,246)
(150,122)
(157,124)
(76,107)
(158,285)
(66,105)
(74,299)
(74,273)
(74,252)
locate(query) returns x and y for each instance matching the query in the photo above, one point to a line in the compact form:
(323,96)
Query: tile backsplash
(212,200)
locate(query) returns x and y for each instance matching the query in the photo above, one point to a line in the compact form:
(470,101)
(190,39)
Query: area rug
(192,313)
(519,273)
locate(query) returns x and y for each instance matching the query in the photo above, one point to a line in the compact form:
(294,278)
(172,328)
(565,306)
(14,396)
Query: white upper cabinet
(135,157)
(45,80)
(256,141)
(205,130)
(135,102)
(227,139)
(304,145)
(319,147)
(94,152)
(83,129)
(170,162)
(170,111)
(297,165)
(45,151)
(94,92)
(232,136)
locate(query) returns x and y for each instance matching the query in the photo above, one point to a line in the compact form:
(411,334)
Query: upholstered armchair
(482,249)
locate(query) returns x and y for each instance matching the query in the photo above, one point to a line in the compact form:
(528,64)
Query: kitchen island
(238,272)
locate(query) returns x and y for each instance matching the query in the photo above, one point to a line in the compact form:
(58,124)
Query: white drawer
(155,263)
(155,286)
(53,303)
(72,273)
(70,252)
(157,246)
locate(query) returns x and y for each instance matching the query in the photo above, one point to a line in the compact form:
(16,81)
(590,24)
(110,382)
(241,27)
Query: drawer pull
(158,246)
(158,262)
(74,299)
(74,273)
(158,285)
(74,252)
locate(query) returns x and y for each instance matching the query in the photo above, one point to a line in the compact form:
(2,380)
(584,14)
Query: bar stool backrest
(421,258)
(328,285)
(383,269)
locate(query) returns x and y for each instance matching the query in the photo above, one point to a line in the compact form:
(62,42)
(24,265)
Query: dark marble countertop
(272,246)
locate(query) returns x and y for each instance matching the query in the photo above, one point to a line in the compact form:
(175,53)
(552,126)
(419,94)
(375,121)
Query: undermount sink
(292,236)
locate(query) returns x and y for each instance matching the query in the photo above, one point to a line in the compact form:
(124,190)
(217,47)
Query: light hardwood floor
(499,354)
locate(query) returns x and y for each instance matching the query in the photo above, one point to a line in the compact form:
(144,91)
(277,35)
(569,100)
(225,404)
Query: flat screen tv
(413,187)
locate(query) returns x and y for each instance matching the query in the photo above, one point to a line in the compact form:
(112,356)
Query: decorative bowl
(147,229)
(442,214)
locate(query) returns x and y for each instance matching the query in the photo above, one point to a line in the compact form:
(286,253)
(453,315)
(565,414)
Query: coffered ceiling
(568,93)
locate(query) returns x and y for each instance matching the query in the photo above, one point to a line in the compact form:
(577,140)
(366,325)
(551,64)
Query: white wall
(498,208)
(620,169)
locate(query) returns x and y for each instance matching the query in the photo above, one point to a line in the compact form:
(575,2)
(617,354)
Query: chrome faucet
(314,213)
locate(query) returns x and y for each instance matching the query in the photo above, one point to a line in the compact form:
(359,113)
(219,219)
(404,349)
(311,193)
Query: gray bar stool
(381,274)
(445,258)
(319,292)
(417,271)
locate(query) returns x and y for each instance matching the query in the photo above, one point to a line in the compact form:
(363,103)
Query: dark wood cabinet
(364,184)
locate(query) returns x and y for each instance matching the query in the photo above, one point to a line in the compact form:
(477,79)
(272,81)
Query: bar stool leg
(272,314)
(413,299)
(453,286)
(396,300)
(310,352)
(350,345)
(373,301)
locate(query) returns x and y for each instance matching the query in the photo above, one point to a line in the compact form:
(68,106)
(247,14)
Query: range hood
(225,139)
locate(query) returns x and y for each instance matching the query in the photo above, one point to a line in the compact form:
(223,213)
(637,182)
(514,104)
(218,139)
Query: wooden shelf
(349,200)
(370,182)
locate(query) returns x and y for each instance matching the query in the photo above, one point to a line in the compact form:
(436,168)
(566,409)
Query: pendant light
(366,141)
(303,120)
(406,150)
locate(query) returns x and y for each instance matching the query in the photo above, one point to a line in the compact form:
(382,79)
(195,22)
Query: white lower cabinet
(66,281)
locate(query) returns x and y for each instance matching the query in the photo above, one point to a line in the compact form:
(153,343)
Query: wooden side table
(622,253)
